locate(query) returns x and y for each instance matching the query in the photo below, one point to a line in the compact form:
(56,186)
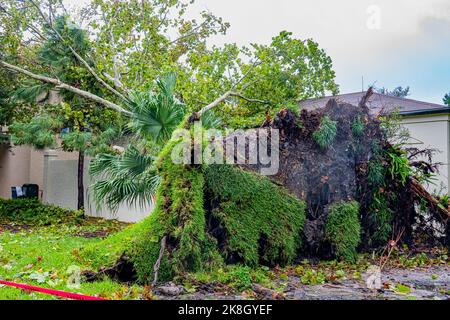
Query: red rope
(52,292)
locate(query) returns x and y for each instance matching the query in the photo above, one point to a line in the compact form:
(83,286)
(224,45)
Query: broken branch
(61,85)
(158,262)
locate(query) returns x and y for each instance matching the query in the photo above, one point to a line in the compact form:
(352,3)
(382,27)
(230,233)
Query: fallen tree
(342,187)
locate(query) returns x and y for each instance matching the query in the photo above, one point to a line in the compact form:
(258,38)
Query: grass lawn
(45,255)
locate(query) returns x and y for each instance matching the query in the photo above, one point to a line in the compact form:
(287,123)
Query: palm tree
(130,177)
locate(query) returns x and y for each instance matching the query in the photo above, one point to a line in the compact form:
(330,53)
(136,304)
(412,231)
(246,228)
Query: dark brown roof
(380,102)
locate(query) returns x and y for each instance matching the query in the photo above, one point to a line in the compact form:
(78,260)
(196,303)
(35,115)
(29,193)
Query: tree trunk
(80,204)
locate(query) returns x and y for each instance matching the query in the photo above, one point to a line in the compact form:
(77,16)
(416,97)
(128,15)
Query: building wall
(23,164)
(60,178)
(14,168)
(56,174)
(432,131)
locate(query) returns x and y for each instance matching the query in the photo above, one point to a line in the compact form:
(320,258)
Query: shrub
(34,212)
(382,217)
(343,229)
(376,173)
(357,127)
(326,133)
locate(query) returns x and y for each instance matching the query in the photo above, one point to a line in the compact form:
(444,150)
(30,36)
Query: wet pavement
(413,284)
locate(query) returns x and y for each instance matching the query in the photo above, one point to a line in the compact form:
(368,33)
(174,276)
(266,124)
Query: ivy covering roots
(208,216)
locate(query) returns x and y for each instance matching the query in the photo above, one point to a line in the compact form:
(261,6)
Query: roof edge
(377,93)
(443,110)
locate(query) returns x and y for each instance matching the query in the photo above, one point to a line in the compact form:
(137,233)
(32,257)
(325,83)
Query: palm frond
(156,115)
(210,120)
(127,178)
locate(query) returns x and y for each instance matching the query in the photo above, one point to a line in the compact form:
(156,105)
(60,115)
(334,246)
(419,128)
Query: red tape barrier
(52,292)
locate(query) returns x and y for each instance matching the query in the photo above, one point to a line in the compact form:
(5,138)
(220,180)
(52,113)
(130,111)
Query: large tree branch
(231,92)
(116,81)
(79,58)
(238,95)
(61,85)
(215,103)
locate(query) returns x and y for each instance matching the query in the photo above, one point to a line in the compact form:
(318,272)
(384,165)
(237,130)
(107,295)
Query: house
(428,125)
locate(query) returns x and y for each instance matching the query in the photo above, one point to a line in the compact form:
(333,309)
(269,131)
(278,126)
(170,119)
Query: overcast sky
(388,42)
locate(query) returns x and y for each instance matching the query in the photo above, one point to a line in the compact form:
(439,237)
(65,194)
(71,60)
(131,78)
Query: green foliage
(128,177)
(280,73)
(398,92)
(33,212)
(382,217)
(39,132)
(402,289)
(251,209)
(210,120)
(358,127)
(30,91)
(392,128)
(446,99)
(399,167)
(312,277)
(167,34)
(325,135)
(180,215)
(376,173)
(76,140)
(343,229)
(156,115)
(6,107)
(238,277)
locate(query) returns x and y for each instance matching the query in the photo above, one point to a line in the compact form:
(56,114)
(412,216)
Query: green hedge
(34,212)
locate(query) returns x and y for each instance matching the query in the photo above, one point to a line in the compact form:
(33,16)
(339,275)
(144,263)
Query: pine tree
(446,99)
(83,126)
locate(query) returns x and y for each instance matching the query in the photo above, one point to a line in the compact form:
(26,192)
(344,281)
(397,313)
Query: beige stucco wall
(61,189)
(432,131)
(14,168)
(23,164)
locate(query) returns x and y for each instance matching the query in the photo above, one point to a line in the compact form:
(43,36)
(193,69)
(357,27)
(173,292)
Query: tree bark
(80,173)
(61,85)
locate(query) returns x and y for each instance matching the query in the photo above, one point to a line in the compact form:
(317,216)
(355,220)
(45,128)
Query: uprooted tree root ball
(208,216)
(341,188)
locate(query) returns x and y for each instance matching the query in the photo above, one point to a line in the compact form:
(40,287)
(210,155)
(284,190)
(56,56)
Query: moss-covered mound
(343,229)
(208,215)
(258,221)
